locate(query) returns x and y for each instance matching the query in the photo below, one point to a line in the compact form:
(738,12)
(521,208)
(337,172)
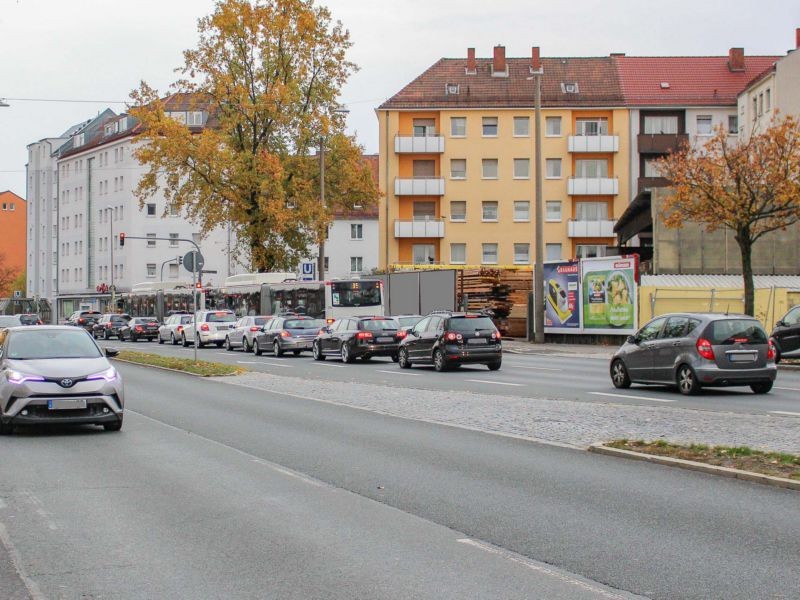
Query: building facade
(13,224)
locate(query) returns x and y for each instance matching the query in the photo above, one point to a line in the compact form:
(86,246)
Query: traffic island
(778,469)
(200,368)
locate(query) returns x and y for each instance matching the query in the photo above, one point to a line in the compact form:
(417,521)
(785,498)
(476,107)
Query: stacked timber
(503,292)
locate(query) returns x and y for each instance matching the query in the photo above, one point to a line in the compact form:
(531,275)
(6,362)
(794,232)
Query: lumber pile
(503,292)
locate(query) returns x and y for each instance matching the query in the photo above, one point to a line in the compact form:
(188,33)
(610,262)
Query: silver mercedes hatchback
(53,374)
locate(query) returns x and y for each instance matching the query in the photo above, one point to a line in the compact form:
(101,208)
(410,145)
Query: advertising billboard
(562,297)
(609,295)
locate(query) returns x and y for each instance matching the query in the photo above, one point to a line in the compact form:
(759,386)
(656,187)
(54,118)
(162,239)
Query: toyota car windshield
(37,344)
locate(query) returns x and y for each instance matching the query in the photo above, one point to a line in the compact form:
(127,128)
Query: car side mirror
(780,323)
(326,329)
(632,339)
(111,352)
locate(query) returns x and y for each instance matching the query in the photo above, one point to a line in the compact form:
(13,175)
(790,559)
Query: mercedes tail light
(138,328)
(705,349)
(771,351)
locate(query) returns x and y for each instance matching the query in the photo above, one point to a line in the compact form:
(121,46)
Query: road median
(201,368)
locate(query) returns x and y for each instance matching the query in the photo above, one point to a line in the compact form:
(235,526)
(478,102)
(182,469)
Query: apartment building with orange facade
(13,224)
(456,148)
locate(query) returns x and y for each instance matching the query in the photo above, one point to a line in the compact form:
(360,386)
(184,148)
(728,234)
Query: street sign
(307,270)
(193,261)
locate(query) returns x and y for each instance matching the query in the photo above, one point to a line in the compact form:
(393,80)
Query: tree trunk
(746,248)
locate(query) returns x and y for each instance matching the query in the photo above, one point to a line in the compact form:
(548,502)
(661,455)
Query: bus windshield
(355,293)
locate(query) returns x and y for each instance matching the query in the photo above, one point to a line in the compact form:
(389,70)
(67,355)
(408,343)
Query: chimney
(499,62)
(472,67)
(736,59)
(536,61)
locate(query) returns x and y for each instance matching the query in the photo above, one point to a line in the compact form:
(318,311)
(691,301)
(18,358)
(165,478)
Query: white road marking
(324,364)
(495,382)
(534,566)
(632,397)
(397,372)
(274,364)
(16,560)
(784,412)
(787,389)
(513,366)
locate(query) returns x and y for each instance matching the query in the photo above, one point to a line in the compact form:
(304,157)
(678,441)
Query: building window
(522,210)
(151,240)
(424,210)
(522,168)
(552,251)
(151,210)
(552,126)
(553,210)
(151,269)
(591,211)
(356,264)
(656,125)
(760,104)
(489,254)
(767,99)
(733,124)
(553,168)
(173,209)
(590,250)
(755,108)
(326,263)
(458,254)
(458,210)
(173,240)
(194,118)
(591,168)
(489,126)
(704,126)
(356,231)
(522,126)
(173,271)
(458,168)
(651,167)
(424,127)
(522,254)
(489,168)
(458,126)
(596,126)
(423,253)
(489,210)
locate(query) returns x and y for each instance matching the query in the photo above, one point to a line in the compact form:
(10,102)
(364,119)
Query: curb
(557,354)
(131,362)
(788,367)
(690,465)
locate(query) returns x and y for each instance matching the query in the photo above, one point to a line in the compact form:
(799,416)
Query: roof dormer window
(569,87)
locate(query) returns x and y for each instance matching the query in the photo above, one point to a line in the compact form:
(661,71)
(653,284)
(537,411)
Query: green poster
(609,296)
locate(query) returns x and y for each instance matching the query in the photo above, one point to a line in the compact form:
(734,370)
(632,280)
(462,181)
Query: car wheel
(494,366)
(6,428)
(198,343)
(228,346)
(347,356)
(439,361)
(296,352)
(172,339)
(687,381)
(133,338)
(184,341)
(316,352)
(160,339)
(402,359)
(106,336)
(394,358)
(762,387)
(256,348)
(619,375)
(113,426)
(276,348)
(246,345)
(777,355)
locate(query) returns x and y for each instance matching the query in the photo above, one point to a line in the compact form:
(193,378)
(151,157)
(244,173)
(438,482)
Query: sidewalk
(571,350)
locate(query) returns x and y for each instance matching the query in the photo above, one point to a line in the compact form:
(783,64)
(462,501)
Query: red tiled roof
(596,78)
(693,80)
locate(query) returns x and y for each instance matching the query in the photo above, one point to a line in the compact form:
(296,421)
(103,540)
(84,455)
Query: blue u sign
(307,268)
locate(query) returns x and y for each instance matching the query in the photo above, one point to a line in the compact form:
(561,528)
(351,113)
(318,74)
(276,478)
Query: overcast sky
(69,52)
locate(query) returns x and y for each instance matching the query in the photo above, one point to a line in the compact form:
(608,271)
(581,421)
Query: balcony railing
(593,186)
(646,183)
(419,144)
(660,143)
(419,228)
(590,229)
(419,186)
(593,143)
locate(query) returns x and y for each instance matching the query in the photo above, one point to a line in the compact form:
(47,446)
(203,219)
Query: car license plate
(67,404)
(743,357)
(385,340)
(477,341)
(222,327)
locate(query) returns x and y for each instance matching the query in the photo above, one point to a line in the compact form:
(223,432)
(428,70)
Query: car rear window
(220,317)
(408,321)
(471,324)
(730,331)
(379,324)
(260,320)
(303,323)
(29,319)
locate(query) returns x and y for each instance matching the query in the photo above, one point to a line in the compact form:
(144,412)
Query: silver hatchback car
(53,374)
(696,350)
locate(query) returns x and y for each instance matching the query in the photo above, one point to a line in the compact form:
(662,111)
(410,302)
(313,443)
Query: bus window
(355,293)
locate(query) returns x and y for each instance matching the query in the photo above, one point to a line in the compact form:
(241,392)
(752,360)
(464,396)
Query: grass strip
(776,464)
(201,367)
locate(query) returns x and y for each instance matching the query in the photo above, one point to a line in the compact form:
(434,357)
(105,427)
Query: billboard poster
(562,297)
(609,295)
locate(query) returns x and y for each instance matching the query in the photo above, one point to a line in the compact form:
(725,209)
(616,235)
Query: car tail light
(180,328)
(286,334)
(704,349)
(203,327)
(255,328)
(108,325)
(402,333)
(771,351)
(329,321)
(496,335)
(138,328)
(39,322)
(81,321)
(452,336)
(363,335)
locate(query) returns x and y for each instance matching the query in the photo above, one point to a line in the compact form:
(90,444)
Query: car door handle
(676,343)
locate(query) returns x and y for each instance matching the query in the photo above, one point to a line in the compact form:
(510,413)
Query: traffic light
(198,285)
(121,239)
(180,260)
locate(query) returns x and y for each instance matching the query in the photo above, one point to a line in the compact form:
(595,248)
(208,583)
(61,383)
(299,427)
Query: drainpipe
(387,292)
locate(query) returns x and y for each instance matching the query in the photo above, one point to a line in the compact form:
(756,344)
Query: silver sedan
(53,374)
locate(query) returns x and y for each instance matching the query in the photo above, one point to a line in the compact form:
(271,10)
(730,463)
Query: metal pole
(194,305)
(321,256)
(538,269)
(110,213)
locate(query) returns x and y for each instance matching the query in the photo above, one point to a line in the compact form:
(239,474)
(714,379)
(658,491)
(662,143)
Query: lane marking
(19,567)
(513,366)
(274,364)
(632,397)
(495,382)
(787,389)
(534,566)
(398,373)
(324,364)
(784,412)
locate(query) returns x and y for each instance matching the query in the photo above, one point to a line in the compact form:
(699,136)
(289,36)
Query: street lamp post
(321,245)
(538,267)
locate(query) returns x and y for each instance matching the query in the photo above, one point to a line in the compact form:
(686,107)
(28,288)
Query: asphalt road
(533,376)
(216,491)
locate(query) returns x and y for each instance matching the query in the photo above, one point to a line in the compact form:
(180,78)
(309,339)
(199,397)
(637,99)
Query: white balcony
(593,143)
(593,186)
(419,228)
(419,186)
(591,229)
(429,144)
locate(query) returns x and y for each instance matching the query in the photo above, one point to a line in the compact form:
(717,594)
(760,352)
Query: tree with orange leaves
(267,75)
(751,186)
